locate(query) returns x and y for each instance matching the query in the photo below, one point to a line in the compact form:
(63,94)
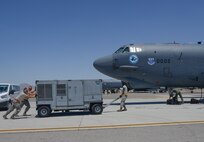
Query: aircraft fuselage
(155,65)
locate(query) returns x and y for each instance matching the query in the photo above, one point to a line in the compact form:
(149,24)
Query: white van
(6,92)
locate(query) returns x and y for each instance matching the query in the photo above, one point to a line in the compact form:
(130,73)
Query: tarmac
(143,110)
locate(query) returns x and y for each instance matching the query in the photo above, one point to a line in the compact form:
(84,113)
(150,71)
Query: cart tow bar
(106,105)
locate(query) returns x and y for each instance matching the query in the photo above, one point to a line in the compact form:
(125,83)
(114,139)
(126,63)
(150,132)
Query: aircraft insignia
(133,59)
(151,61)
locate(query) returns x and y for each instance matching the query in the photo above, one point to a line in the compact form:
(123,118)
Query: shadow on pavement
(72,113)
(145,103)
(3,109)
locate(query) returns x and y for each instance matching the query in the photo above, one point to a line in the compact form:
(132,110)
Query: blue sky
(60,39)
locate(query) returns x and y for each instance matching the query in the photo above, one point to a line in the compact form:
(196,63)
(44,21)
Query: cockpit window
(129,49)
(126,50)
(120,50)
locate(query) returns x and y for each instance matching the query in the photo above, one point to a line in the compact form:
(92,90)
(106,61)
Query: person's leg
(22,103)
(125,109)
(121,105)
(181,97)
(18,109)
(27,104)
(124,99)
(11,108)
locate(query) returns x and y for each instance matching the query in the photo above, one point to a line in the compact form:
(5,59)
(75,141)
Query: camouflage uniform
(16,104)
(123,99)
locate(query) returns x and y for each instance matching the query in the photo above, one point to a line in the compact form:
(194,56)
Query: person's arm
(27,96)
(32,94)
(121,94)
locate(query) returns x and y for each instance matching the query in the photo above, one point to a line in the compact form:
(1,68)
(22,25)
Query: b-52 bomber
(143,66)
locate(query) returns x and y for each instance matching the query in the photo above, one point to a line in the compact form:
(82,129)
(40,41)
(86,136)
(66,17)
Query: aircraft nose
(103,64)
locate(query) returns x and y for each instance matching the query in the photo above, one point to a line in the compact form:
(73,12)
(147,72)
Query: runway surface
(148,118)
(181,133)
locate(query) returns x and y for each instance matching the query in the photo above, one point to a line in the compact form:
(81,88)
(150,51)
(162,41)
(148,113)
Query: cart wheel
(97,109)
(44,111)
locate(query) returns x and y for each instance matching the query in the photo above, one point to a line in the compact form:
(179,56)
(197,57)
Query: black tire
(97,109)
(44,111)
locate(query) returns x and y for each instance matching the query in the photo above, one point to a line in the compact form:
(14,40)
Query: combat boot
(12,117)
(4,116)
(125,109)
(120,109)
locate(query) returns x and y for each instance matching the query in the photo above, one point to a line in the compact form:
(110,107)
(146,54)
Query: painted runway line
(99,127)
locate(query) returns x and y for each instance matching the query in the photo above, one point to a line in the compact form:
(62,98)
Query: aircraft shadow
(145,103)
